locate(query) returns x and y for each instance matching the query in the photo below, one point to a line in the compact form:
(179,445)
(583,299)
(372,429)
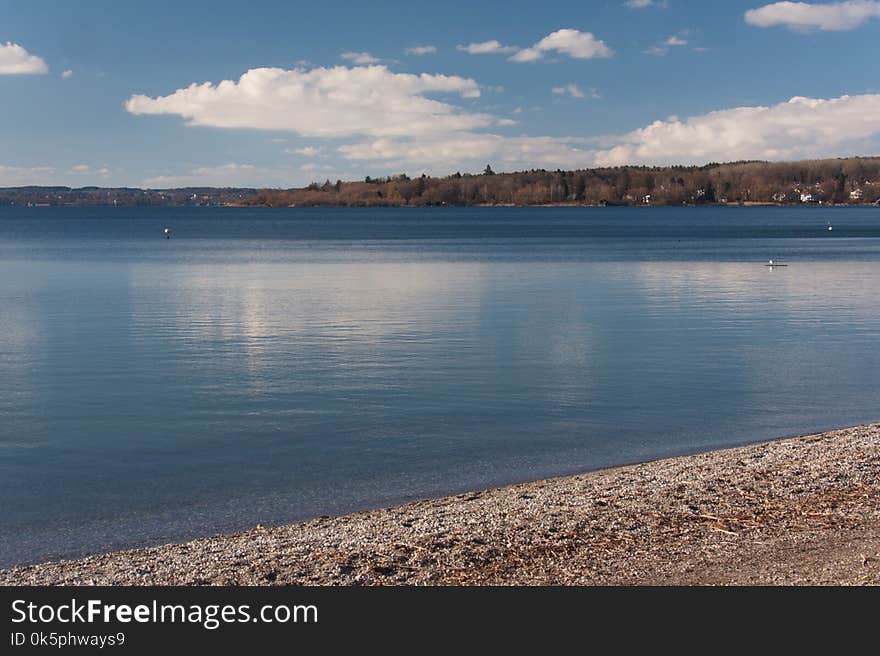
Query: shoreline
(803,510)
(242,205)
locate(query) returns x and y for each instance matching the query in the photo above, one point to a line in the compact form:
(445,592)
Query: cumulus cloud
(643,4)
(575,44)
(492,47)
(799,128)
(572,90)
(422,50)
(15,60)
(324,102)
(831,17)
(360,58)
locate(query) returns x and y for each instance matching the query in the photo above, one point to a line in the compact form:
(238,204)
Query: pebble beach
(799,511)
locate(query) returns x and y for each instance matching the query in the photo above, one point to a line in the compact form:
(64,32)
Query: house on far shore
(807,197)
(856,195)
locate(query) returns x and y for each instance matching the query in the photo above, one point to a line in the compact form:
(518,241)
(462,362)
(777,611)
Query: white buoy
(167,233)
(830,228)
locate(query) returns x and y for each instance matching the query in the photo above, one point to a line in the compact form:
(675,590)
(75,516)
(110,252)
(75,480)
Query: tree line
(831,181)
(853,181)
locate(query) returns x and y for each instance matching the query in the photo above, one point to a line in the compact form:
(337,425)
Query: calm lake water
(264,366)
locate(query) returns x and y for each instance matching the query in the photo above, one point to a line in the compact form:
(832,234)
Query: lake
(270,365)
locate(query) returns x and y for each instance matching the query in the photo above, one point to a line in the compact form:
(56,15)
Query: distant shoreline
(478,205)
(844,181)
(796,511)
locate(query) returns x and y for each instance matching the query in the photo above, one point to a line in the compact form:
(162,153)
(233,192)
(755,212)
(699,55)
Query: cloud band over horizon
(387,121)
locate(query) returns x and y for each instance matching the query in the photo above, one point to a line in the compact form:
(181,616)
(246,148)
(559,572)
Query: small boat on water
(773,264)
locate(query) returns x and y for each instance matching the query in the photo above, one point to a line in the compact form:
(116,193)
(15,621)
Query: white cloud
(657,51)
(470,152)
(360,58)
(797,129)
(76,175)
(393,125)
(575,44)
(67,74)
(323,102)
(831,17)
(308,151)
(311,166)
(86,169)
(492,47)
(15,60)
(662,49)
(422,50)
(227,175)
(572,90)
(17,176)
(643,4)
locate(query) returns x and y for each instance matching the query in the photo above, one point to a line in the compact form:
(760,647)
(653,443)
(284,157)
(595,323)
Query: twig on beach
(714,518)
(722,530)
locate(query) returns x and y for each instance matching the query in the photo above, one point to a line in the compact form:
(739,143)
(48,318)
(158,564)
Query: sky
(279,94)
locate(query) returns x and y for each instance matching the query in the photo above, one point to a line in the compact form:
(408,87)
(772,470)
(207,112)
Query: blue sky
(98,92)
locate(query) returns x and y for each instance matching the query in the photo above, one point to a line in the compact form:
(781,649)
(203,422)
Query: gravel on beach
(790,512)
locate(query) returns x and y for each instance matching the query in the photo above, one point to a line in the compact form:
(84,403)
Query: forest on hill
(832,181)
